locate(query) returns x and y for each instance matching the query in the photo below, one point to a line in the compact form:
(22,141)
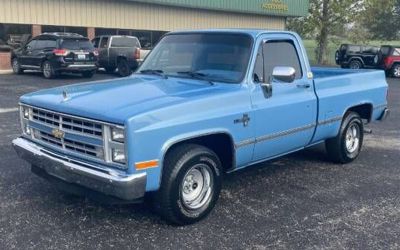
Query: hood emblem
(65,95)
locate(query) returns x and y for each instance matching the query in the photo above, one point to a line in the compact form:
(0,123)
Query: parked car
(119,52)
(204,103)
(390,60)
(357,56)
(55,53)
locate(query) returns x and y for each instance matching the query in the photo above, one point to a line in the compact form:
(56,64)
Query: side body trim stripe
(285,133)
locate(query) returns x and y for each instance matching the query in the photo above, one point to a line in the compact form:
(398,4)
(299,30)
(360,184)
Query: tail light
(137,54)
(96,52)
(60,52)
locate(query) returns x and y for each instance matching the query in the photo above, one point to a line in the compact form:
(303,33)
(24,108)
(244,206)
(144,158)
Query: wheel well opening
(357,59)
(221,144)
(364,110)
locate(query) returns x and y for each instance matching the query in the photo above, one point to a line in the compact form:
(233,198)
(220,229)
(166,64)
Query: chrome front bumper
(107,182)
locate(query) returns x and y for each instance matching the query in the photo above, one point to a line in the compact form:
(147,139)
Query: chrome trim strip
(273,136)
(81,66)
(331,120)
(284,133)
(245,143)
(72,116)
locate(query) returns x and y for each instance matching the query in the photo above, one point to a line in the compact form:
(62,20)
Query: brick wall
(91,33)
(36,30)
(5,58)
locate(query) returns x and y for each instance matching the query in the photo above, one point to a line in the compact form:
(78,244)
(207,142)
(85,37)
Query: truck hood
(115,101)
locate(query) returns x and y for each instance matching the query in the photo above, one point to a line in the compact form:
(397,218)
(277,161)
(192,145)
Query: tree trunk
(323,38)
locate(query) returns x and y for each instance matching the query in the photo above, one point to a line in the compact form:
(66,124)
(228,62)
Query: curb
(6,72)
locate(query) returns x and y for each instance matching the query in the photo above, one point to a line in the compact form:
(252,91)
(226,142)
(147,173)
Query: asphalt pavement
(301,201)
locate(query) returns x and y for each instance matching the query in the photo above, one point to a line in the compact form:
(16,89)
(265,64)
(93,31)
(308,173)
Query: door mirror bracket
(267,89)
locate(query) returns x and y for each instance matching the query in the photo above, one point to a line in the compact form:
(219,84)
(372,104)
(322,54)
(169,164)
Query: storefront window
(105,32)
(12,35)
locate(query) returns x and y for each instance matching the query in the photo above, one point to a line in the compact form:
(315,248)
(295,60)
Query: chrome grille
(68,123)
(75,146)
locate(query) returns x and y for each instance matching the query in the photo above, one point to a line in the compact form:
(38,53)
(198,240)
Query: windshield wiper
(157,72)
(196,75)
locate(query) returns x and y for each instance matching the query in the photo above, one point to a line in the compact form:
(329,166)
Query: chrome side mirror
(284,74)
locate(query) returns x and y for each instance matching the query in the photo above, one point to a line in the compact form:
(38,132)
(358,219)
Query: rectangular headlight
(25,112)
(118,156)
(118,134)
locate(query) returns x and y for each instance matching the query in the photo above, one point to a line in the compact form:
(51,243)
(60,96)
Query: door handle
(304,85)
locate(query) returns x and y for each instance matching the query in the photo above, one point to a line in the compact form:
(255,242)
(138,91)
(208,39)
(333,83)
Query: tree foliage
(325,18)
(382,19)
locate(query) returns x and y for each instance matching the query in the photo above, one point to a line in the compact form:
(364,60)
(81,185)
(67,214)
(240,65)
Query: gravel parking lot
(301,201)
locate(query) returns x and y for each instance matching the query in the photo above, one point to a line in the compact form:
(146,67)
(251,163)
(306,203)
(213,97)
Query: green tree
(382,19)
(325,18)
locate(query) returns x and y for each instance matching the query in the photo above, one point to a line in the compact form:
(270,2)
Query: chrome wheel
(47,71)
(396,71)
(353,138)
(197,186)
(15,66)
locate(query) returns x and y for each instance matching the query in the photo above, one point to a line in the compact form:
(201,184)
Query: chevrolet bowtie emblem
(59,134)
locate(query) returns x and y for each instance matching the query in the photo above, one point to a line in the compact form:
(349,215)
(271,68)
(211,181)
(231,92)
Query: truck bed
(323,72)
(339,89)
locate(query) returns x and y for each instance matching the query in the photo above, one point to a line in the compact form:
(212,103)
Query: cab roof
(252,32)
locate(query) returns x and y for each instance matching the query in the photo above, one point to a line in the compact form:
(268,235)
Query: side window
(51,44)
(104,43)
(95,42)
(31,45)
(354,49)
(40,44)
(281,53)
(396,52)
(46,44)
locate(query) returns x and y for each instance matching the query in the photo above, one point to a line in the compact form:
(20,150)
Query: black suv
(357,56)
(54,53)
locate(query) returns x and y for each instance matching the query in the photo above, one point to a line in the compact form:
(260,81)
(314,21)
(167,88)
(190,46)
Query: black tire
(123,68)
(395,72)
(355,64)
(16,66)
(110,70)
(48,70)
(88,74)
(337,57)
(179,179)
(342,149)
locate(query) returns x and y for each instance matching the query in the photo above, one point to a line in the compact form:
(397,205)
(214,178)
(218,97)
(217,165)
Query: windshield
(216,57)
(77,44)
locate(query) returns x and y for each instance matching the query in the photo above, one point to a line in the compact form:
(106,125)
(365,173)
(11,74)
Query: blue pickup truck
(203,104)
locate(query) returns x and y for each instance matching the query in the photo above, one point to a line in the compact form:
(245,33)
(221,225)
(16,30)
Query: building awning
(261,7)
